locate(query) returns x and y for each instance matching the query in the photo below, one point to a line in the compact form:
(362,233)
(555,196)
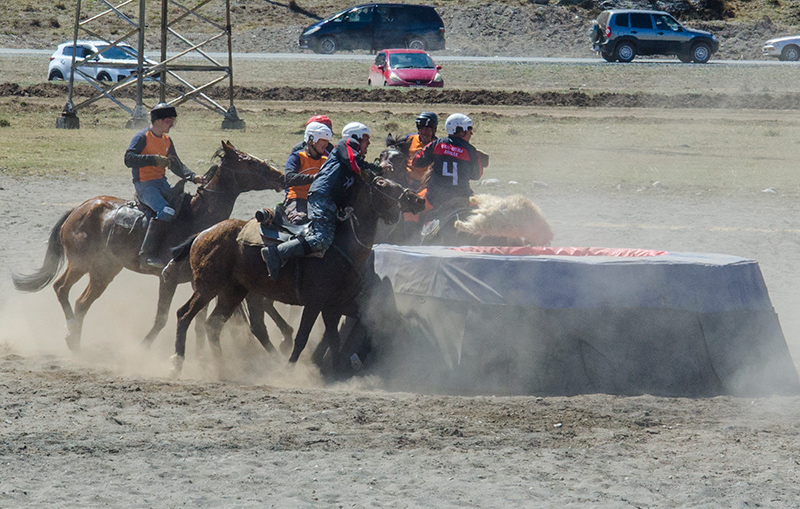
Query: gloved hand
(199,179)
(162,161)
(374,168)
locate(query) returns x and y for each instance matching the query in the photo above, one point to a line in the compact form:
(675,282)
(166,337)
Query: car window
(410,61)
(664,22)
(622,20)
(388,13)
(641,20)
(380,59)
(117,53)
(362,15)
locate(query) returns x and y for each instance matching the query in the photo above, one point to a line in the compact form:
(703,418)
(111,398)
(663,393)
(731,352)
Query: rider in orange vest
(426,132)
(149,155)
(301,169)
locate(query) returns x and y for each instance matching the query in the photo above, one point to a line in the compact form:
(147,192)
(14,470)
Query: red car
(405,68)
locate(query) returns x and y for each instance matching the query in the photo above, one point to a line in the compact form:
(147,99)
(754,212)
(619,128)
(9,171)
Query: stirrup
(151,263)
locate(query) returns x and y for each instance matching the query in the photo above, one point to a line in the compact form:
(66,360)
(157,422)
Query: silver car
(783,48)
(113,64)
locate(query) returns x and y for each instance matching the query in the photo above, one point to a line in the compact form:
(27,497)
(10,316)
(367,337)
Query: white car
(783,48)
(122,57)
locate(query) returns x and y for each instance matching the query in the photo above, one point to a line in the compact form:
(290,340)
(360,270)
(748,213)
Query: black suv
(623,34)
(375,27)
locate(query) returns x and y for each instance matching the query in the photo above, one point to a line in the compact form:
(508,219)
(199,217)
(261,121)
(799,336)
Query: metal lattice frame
(128,18)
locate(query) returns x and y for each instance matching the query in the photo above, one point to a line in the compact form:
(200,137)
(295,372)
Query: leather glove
(199,179)
(162,161)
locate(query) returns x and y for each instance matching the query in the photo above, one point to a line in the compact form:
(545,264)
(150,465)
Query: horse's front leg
(331,337)
(256,306)
(286,330)
(310,314)
(166,292)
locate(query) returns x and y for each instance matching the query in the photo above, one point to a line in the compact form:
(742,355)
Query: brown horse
(92,243)
(225,269)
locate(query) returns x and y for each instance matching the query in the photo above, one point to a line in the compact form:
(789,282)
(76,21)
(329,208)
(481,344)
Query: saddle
(270,227)
(135,212)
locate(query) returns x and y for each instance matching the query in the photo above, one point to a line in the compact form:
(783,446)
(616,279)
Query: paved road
(438,58)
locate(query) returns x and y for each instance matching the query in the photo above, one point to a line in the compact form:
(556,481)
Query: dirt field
(107,428)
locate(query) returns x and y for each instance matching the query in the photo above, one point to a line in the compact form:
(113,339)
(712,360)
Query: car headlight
(437,78)
(310,31)
(394,77)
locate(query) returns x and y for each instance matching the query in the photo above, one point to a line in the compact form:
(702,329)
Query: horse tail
(53,261)
(181,251)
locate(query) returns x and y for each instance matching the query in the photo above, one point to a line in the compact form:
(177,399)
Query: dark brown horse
(225,269)
(92,243)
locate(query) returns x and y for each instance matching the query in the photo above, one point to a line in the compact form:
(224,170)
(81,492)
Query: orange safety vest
(308,166)
(155,145)
(415,173)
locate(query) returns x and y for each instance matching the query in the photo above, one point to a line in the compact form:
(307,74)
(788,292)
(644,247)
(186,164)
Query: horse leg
(186,313)
(200,328)
(306,324)
(227,302)
(166,292)
(331,337)
(286,330)
(62,286)
(98,282)
(256,306)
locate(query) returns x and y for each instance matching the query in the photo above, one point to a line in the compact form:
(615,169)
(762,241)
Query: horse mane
(507,216)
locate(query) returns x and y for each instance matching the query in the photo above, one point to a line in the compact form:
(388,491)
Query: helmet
(456,123)
(322,119)
(162,110)
(427,119)
(318,131)
(355,130)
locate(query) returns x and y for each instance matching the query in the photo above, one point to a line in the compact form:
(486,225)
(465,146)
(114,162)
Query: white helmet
(456,123)
(318,131)
(355,130)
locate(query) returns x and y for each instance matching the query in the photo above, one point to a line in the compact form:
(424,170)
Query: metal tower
(126,22)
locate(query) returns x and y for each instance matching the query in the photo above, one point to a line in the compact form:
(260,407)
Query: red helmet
(322,119)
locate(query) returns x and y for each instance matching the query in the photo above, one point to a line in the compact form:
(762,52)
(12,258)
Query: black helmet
(427,119)
(162,110)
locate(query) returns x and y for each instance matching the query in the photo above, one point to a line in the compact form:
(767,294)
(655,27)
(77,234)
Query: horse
(226,269)
(487,220)
(91,241)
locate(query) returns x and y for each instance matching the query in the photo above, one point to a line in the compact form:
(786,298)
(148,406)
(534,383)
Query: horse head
(394,158)
(240,172)
(388,198)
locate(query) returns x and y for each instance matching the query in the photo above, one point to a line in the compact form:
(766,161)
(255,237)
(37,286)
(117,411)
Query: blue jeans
(322,212)
(153,193)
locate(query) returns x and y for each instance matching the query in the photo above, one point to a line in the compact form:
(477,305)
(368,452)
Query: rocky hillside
(549,28)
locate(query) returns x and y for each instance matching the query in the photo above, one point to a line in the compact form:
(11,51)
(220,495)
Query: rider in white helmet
(455,162)
(332,189)
(302,167)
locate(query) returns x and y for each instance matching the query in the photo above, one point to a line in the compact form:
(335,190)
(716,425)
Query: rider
(426,132)
(301,169)
(455,162)
(149,155)
(332,188)
(322,119)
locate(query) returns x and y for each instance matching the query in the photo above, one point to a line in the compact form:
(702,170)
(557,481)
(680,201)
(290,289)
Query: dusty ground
(107,428)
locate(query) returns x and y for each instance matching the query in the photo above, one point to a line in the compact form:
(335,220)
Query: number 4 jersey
(455,163)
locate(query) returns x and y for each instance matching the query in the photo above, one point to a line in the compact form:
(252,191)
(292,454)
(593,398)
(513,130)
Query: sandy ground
(108,428)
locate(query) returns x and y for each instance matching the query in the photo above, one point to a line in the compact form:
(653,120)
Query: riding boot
(276,256)
(148,255)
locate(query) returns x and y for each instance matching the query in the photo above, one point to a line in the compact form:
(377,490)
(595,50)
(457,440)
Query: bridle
(233,172)
(350,216)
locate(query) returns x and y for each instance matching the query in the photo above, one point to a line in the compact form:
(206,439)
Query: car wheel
(790,53)
(416,43)
(685,57)
(55,74)
(326,45)
(608,57)
(701,52)
(369,83)
(625,51)
(103,76)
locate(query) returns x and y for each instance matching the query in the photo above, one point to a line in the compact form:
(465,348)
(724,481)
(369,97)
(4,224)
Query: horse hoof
(74,344)
(177,366)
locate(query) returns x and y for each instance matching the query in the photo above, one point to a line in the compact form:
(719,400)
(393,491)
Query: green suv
(620,35)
